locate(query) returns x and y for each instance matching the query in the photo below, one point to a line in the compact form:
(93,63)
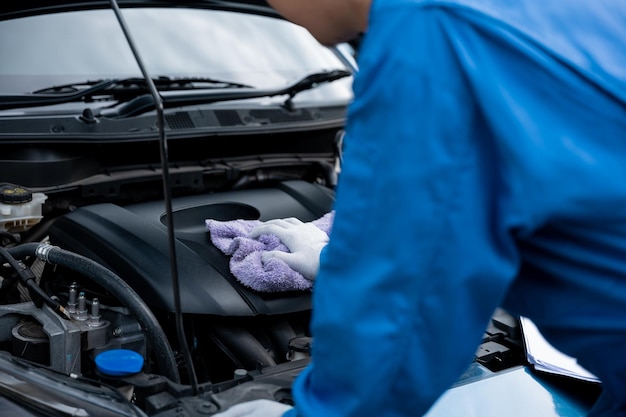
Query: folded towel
(231,237)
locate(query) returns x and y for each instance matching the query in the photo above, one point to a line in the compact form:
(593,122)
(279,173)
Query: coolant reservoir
(20,209)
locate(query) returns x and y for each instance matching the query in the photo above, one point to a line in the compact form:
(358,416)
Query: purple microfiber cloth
(231,237)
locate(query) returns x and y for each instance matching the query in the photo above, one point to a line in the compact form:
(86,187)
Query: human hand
(256,408)
(305,242)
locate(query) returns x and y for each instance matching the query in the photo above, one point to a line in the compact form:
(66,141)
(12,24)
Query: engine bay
(232,327)
(107,268)
(104,271)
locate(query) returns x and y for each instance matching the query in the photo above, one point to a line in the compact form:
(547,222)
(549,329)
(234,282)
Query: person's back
(491,138)
(560,121)
(485,166)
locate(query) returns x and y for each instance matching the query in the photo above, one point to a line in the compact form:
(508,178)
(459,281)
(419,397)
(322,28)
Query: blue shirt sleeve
(408,259)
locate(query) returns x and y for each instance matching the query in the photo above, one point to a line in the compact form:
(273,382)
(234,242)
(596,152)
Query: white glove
(305,241)
(256,408)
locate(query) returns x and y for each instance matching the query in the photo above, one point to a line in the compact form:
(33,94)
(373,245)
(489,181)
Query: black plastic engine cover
(132,241)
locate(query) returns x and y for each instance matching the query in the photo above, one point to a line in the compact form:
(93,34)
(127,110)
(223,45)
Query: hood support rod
(158,103)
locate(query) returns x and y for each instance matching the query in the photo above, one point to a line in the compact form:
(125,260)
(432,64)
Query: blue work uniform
(485,166)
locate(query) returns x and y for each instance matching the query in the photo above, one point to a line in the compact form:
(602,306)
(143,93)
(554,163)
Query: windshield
(73,47)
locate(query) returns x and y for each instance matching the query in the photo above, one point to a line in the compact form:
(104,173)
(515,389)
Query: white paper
(545,357)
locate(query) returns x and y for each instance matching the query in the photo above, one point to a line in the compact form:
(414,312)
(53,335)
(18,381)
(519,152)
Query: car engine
(111,259)
(105,285)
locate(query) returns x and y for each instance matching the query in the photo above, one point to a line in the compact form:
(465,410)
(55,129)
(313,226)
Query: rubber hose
(118,288)
(27,278)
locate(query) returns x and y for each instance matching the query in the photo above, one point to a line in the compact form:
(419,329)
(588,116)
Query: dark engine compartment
(244,344)
(230,326)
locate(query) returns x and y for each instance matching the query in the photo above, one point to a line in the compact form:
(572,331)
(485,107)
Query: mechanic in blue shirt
(485,166)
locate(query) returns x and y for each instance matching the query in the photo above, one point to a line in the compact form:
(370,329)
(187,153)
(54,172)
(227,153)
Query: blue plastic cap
(119,362)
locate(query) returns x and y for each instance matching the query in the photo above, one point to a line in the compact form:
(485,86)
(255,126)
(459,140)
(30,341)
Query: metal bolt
(95,308)
(206,408)
(95,321)
(81,313)
(71,303)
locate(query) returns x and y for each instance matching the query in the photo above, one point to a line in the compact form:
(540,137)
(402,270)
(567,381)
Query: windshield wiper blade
(11,101)
(126,88)
(175,92)
(136,83)
(145,103)
(71,88)
(195,82)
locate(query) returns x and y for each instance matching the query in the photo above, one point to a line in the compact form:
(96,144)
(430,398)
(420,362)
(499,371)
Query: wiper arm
(144,103)
(312,81)
(126,88)
(10,101)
